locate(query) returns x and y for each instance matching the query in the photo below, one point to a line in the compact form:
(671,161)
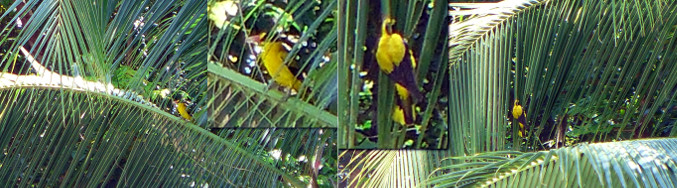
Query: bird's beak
(254,39)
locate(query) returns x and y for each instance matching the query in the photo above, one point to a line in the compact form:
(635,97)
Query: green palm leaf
(639,163)
(112,49)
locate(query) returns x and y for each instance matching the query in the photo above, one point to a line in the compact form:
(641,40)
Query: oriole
(272,58)
(183,110)
(397,61)
(521,117)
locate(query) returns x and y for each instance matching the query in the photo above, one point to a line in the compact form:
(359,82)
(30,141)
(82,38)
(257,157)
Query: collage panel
(551,93)
(144,52)
(272,63)
(92,90)
(338,93)
(393,92)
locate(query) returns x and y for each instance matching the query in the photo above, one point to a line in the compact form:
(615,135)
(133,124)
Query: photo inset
(395,77)
(272,63)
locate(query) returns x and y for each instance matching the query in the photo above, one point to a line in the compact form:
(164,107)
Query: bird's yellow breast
(390,51)
(516,110)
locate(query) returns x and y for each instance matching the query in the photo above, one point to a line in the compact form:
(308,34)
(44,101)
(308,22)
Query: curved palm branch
(638,163)
(138,147)
(131,49)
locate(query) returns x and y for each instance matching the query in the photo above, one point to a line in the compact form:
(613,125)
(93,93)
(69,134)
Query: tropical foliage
(245,96)
(584,71)
(90,93)
(640,163)
(366,94)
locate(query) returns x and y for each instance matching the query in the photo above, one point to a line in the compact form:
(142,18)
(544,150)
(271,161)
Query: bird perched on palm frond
(272,57)
(521,117)
(397,61)
(183,110)
(183,105)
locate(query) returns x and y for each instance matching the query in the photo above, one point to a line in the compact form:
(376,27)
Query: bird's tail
(297,85)
(405,105)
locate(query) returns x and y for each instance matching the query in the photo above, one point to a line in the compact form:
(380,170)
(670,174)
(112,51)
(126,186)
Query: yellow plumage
(402,92)
(403,101)
(391,49)
(273,56)
(516,110)
(398,115)
(518,114)
(397,61)
(182,108)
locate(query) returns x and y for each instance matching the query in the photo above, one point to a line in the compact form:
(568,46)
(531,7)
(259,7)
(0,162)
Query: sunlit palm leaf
(384,168)
(138,47)
(124,144)
(241,101)
(640,163)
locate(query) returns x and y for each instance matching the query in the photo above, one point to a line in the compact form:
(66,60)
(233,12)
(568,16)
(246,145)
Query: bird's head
(256,38)
(387,26)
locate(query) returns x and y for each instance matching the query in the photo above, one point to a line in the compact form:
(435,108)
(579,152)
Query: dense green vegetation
(91,94)
(583,71)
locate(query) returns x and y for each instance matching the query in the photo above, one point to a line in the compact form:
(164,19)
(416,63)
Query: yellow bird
(396,60)
(518,113)
(272,58)
(183,110)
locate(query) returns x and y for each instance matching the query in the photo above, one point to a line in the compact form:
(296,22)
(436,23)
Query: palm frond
(384,168)
(570,64)
(637,163)
(133,49)
(246,102)
(137,147)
